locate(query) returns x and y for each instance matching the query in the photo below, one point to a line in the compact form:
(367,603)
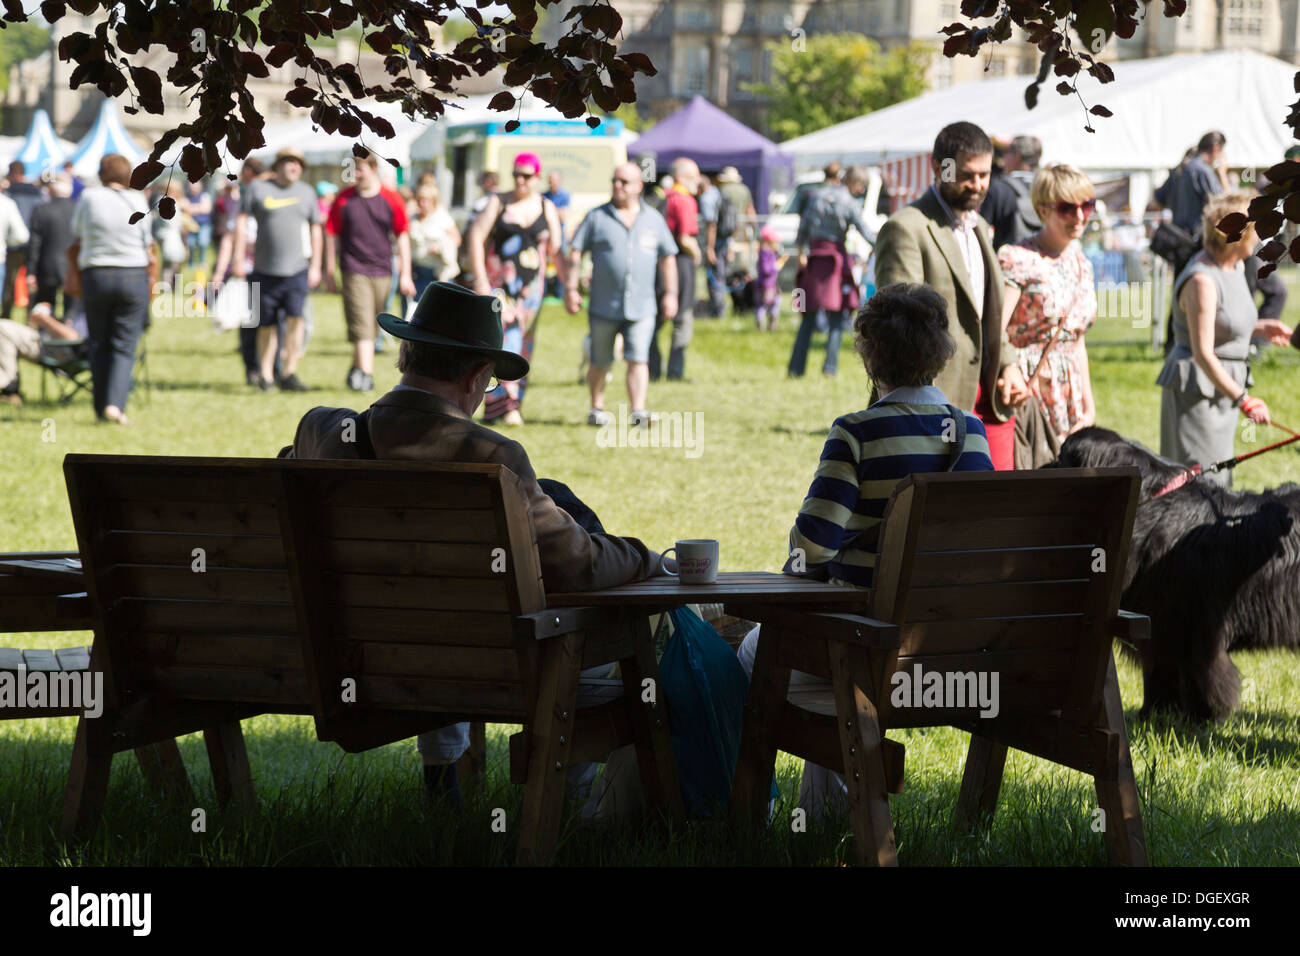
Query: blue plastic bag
(706,690)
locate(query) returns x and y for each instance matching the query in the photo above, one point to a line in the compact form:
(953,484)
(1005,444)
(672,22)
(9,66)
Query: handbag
(706,689)
(1035,441)
(232,307)
(1173,243)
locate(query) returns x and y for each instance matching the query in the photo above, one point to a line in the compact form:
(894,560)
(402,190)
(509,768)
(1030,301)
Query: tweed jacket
(410,425)
(917,245)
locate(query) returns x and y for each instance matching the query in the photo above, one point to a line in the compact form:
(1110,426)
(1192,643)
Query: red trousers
(1002,435)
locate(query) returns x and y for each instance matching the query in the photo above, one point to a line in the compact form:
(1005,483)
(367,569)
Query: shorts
(364,297)
(636,339)
(279,297)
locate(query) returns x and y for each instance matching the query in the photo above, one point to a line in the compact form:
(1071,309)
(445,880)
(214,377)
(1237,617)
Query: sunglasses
(1068,209)
(524,174)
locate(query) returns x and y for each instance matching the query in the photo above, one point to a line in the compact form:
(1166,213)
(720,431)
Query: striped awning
(906,178)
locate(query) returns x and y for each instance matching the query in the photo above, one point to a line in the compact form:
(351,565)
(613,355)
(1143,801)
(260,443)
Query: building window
(691,75)
(947,13)
(694,16)
(942,73)
(1244,18)
(775,20)
(996,67)
(900,13)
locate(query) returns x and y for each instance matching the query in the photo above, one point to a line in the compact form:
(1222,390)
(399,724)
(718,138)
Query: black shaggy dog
(1214,569)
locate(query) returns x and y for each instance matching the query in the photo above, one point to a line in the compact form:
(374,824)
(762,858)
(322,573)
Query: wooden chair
(1018,573)
(194,625)
(420,602)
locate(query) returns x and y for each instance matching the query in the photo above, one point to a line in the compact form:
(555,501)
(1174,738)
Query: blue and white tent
(106,136)
(41,151)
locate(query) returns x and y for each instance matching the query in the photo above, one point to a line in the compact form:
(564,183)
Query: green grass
(1225,794)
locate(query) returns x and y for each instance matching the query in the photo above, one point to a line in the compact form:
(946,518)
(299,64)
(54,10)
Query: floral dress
(1051,288)
(516,266)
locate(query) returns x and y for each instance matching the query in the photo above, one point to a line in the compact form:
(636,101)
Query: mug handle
(663,567)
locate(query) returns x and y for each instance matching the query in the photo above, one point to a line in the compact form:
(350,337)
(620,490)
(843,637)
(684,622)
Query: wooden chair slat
(352,556)
(199,517)
(439,662)
(219,550)
(40,659)
(980,530)
(948,568)
(954,637)
(210,617)
(498,699)
(73,658)
(220,584)
(446,594)
(1017,599)
(232,684)
(410,524)
(455,493)
(424,626)
(252,650)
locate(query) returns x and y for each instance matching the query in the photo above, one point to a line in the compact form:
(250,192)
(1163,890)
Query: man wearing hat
(451,351)
(286,265)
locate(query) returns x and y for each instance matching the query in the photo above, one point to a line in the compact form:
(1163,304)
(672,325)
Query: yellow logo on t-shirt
(270,202)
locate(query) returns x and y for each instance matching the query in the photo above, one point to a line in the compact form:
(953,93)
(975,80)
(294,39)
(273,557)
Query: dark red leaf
(1291,206)
(512,125)
(135,217)
(1271,251)
(1232,223)
(1100,110)
(145,173)
(593,121)
(502,101)
(167,206)
(1269,223)
(300,95)
(253,65)
(640,62)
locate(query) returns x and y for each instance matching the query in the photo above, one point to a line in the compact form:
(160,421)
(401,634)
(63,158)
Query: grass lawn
(1223,794)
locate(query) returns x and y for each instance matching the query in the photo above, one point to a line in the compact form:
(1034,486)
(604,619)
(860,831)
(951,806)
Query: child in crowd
(769,291)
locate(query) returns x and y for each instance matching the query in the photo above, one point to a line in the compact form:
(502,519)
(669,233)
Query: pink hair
(529,161)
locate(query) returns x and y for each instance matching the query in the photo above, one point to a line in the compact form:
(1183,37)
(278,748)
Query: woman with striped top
(903,340)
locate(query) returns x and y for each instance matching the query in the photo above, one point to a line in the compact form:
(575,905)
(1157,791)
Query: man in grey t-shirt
(286,265)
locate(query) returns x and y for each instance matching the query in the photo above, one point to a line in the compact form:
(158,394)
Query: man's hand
(803,260)
(712,255)
(572,301)
(313,277)
(406,285)
(1011,384)
(481,286)
(31,283)
(240,271)
(668,306)
(1275,330)
(331,284)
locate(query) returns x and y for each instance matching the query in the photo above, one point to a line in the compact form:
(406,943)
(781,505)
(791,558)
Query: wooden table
(30,586)
(736,589)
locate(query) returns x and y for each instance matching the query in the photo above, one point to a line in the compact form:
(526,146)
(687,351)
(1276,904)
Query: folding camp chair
(64,360)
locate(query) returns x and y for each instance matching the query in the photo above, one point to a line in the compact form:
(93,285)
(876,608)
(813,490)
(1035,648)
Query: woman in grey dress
(1206,374)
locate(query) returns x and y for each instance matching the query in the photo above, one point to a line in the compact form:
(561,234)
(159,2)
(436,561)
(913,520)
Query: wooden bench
(317,572)
(1013,573)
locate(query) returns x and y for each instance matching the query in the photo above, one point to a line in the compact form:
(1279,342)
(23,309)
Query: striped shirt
(867,454)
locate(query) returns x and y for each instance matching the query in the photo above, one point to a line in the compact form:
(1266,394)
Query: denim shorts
(279,296)
(636,339)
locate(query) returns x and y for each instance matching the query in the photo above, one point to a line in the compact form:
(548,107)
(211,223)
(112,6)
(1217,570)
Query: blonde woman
(1206,373)
(1051,301)
(434,239)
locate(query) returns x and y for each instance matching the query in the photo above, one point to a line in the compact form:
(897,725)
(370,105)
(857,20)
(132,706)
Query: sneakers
(292,383)
(599,417)
(265,384)
(642,418)
(359,381)
(251,378)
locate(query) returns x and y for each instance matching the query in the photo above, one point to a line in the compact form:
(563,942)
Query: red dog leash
(1195,471)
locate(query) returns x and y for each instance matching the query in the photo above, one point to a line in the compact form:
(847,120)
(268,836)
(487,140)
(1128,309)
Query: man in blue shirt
(627,240)
(561,200)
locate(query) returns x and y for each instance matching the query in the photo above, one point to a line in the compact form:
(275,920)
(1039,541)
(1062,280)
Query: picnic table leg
(548,756)
(164,770)
(756,759)
(649,722)
(83,801)
(1125,838)
(231,775)
(980,783)
(862,746)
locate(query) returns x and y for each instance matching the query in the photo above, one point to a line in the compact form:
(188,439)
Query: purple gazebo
(704,133)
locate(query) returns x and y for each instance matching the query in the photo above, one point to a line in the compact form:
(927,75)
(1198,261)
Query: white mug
(697,561)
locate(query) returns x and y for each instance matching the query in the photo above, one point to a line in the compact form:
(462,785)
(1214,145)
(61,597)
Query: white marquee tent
(107,135)
(1161,107)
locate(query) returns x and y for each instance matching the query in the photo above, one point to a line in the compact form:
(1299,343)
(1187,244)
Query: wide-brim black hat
(453,317)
